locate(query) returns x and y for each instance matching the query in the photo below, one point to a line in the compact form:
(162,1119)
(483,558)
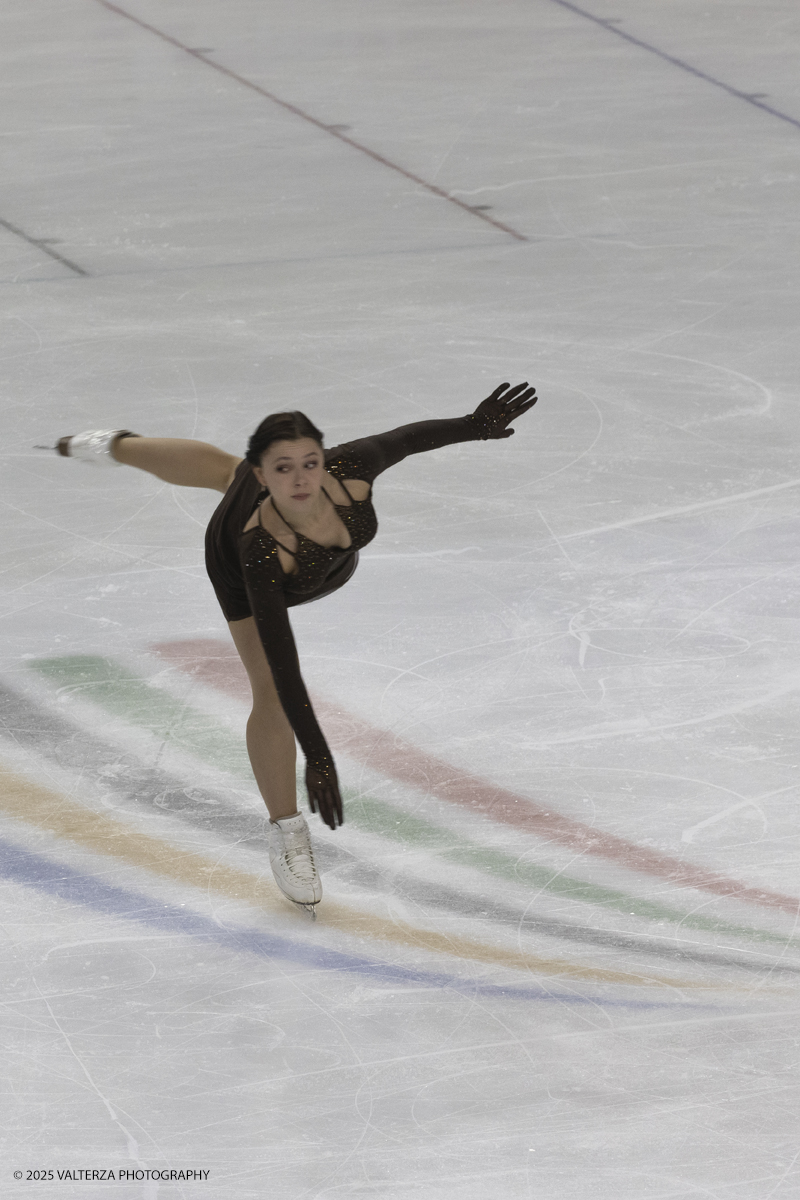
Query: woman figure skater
(287,531)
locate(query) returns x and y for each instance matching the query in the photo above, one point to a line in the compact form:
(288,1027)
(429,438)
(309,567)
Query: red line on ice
(217,664)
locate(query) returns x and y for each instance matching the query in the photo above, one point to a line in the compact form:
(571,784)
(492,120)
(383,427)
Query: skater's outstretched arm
(179,461)
(491,420)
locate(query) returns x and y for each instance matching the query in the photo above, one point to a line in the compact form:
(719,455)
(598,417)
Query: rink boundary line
(305,116)
(753,98)
(665,513)
(36,806)
(42,244)
(388,822)
(384,752)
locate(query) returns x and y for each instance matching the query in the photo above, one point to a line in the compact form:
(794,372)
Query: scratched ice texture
(558,952)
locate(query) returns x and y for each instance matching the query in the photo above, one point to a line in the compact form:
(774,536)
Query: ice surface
(559,948)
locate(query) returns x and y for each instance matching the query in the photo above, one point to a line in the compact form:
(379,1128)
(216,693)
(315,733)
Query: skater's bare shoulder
(344,491)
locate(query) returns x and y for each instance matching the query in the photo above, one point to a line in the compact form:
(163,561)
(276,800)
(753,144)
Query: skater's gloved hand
(496,412)
(323,793)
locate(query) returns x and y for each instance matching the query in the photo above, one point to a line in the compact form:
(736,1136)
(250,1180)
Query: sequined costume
(249,580)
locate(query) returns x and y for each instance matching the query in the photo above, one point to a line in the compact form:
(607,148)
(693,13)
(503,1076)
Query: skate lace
(299,858)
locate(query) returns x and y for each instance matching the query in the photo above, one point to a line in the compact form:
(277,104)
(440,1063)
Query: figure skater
(288,530)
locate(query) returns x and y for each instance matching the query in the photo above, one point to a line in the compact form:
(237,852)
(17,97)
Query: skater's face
(293,471)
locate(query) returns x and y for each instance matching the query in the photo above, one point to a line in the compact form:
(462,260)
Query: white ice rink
(558,953)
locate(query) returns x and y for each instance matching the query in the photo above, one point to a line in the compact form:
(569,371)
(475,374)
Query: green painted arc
(380,818)
(119,692)
(112,687)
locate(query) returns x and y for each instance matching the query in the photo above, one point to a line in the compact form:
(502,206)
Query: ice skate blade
(309,908)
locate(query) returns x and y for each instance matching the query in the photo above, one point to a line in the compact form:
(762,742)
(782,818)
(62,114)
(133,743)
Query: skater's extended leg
(270,738)
(178,460)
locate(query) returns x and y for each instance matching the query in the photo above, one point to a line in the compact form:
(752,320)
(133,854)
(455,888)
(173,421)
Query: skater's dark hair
(280,427)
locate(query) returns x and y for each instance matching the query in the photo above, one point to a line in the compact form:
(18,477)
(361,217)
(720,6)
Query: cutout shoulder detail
(358,490)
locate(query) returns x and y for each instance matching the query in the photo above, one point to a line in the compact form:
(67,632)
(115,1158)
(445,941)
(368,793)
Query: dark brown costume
(249,580)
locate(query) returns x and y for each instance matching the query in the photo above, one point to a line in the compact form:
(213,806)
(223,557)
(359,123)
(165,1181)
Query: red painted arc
(299,112)
(218,665)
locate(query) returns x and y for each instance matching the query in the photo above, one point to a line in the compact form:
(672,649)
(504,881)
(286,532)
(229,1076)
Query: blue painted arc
(64,883)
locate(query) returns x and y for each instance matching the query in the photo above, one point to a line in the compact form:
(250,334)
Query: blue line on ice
(56,879)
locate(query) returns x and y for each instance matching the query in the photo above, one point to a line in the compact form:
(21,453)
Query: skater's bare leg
(270,739)
(178,461)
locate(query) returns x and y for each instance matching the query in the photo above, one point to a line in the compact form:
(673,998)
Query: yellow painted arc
(29,802)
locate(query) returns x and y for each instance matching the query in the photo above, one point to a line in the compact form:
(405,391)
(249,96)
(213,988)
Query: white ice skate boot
(93,446)
(292,861)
